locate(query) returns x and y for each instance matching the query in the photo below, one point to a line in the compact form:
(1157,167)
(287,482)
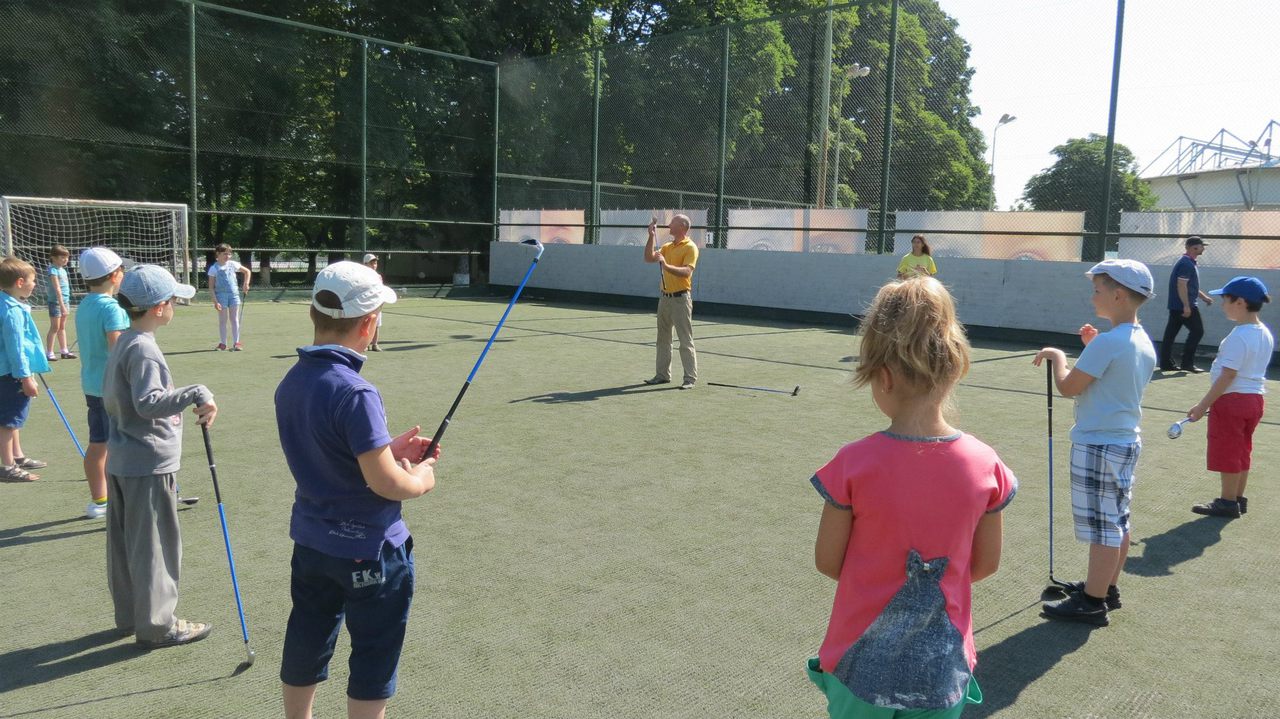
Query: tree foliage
(1075,182)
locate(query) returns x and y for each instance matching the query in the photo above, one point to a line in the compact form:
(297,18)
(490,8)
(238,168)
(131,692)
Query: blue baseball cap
(1248,288)
(146,286)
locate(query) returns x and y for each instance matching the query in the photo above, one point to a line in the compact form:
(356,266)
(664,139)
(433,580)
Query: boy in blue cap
(1108,381)
(1234,401)
(352,553)
(144,450)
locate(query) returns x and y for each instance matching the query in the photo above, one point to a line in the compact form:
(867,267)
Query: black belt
(681,293)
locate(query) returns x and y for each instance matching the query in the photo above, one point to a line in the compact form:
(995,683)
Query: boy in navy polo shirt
(352,553)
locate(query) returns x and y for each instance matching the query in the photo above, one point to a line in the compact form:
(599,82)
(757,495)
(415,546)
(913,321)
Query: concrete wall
(1007,294)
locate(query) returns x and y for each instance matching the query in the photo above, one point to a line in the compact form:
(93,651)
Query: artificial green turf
(598,548)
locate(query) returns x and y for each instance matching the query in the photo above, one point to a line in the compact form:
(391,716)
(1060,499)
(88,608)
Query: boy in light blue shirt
(99,321)
(1108,381)
(58,300)
(21,358)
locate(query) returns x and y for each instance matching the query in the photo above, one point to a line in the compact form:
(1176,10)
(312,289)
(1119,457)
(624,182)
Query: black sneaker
(1113,594)
(1075,608)
(1192,369)
(1219,508)
(1243,501)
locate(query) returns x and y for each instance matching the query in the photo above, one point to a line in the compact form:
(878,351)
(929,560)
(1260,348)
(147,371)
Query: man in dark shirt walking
(1184,290)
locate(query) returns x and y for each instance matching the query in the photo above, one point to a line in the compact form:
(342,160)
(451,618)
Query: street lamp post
(1005,119)
(854,72)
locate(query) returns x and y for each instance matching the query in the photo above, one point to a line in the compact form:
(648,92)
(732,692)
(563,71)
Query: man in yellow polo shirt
(677,259)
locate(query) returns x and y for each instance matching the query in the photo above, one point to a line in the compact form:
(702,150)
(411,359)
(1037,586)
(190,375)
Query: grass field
(599,548)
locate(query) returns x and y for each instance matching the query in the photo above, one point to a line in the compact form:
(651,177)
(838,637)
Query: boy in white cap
(1108,381)
(1238,382)
(99,322)
(352,554)
(371,261)
(144,444)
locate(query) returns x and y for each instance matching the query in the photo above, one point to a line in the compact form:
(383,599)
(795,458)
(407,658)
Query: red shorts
(1232,419)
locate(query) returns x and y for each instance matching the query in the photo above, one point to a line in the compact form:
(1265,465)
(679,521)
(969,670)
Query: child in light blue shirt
(58,299)
(21,358)
(1107,382)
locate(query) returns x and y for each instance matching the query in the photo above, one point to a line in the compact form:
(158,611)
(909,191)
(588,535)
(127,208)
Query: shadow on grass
(49,662)
(18,536)
(1187,541)
(1013,664)
(592,395)
(86,702)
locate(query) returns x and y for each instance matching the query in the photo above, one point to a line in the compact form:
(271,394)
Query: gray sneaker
(688,384)
(182,632)
(657,380)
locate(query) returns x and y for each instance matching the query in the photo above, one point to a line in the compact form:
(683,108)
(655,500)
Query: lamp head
(1005,119)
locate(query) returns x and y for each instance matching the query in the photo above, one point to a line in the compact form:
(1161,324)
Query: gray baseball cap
(148,285)
(1130,273)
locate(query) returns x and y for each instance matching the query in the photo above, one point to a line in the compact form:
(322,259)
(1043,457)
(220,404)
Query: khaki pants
(144,553)
(676,312)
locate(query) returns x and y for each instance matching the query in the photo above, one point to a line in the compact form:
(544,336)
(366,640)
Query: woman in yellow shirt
(917,262)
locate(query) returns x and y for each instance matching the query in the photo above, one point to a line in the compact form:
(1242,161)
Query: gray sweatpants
(144,552)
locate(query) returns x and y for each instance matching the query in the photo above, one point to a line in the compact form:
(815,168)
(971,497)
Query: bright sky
(1188,67)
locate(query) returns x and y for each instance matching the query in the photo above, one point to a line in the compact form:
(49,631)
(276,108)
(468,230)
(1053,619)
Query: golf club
(1056,589)
(1175,429)
(793,392)
(65,423)
(226,539)
(435,439)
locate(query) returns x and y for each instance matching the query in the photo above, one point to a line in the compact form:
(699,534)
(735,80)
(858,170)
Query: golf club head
(536,245)
(795,391)
(1175,430)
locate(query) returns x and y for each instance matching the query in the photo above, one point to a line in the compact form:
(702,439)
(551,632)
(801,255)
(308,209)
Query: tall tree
(1075,182)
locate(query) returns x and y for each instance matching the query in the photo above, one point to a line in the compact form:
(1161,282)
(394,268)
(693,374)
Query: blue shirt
(1185,267)
(1121,362)
(64,285)
(328,415)
(98,314)
(21,350)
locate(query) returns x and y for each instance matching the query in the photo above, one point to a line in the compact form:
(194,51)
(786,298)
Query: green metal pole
(497,95)
(888,128)
(825,142)
(364,146)
(721,240)
(193,221)
(1100,250)
(593,232)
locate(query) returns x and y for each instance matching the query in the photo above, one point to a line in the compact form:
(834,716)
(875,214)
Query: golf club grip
(448,417)
(213,468)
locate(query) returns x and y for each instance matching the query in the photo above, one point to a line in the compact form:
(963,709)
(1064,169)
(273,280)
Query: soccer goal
(140,232)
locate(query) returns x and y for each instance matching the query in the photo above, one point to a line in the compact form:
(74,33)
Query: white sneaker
(95,511)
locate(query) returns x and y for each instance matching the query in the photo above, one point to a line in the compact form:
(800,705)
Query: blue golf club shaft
(226,540)
(435,439)
(58,407)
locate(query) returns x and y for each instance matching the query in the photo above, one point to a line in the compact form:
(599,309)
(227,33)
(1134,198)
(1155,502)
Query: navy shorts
(97,419)
(14,405)
(374,595)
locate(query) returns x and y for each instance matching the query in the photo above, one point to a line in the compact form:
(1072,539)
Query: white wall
(1012,294)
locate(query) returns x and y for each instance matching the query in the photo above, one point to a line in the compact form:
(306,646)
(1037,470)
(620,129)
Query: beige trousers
(677,313)
(144,553)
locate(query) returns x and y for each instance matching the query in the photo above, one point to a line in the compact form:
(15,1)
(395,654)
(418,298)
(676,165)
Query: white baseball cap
(98,262)
(146,286)
(369,257)
(358,287)
(1130,273)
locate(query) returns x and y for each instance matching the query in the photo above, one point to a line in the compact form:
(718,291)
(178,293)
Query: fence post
(193,221)
(1100,251)
(364,147)
(888,127)
(497,96)
(593,218)
(721,240)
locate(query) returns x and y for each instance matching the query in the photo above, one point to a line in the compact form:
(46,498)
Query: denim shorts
(373,594)
(55,309)
(1101,490)
(97,419)
(14,404)
(227,299)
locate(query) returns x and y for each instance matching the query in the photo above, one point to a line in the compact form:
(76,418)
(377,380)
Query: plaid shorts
(1101,489)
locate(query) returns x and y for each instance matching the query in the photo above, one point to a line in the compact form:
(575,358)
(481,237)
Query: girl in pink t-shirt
(912,518)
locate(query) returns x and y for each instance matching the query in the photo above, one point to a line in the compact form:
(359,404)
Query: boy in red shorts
(1234,401)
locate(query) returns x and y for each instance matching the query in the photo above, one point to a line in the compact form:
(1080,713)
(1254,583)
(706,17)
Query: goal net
(140,232)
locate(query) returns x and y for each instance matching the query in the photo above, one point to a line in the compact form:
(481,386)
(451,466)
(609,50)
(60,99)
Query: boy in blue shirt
(352,554)
(99,322)
(21,357)
(1107,382)
(58,301)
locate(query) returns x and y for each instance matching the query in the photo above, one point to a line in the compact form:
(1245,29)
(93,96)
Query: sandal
(16,474)
(68,354)
(29,463)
